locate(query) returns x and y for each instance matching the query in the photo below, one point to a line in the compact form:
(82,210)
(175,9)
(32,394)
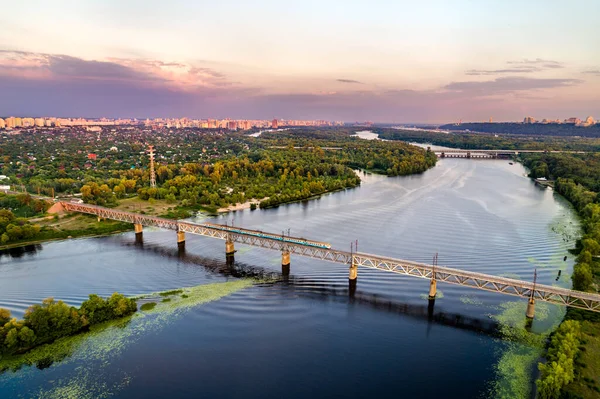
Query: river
(305,336)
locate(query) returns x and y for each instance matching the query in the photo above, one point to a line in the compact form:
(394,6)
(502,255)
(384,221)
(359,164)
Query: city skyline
(396,63)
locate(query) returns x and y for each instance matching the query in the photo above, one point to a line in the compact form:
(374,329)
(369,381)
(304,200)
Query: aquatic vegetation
(470,300)
(522,350)
(106,341)
(148,306)
(169,293)
(438,295)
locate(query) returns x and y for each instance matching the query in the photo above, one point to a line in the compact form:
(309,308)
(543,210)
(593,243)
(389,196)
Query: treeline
(559,370)
(51,320)
(529,129)
(489,141)
(14,229)
(23,205)
(389,158)
(575,180)
(280,176)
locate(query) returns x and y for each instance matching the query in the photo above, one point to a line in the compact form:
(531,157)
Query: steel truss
(486,282)
(546,293)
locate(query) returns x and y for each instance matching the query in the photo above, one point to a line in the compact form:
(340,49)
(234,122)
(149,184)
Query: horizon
(398,63)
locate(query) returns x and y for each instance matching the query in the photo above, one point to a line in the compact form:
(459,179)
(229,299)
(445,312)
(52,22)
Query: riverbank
(242,206)
(63,227)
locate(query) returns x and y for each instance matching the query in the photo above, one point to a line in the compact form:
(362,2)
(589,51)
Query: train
(257,233)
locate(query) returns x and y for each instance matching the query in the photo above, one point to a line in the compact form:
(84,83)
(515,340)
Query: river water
(306,335)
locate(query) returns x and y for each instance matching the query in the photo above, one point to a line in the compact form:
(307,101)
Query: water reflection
(18,252)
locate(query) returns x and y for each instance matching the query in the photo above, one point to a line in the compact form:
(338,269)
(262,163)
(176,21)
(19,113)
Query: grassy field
(154,207)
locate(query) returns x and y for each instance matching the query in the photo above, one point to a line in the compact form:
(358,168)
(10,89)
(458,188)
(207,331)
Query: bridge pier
(285,262)
(229,248)
(530,308)
(432,289)
(181,239)
(353,272)
(138,229)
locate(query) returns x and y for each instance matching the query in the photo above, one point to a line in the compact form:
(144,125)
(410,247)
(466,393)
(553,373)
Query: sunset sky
(386,61)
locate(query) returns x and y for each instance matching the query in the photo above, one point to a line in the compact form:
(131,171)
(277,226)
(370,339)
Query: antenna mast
(152,173)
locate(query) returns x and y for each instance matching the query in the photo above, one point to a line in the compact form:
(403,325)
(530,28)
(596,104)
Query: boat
(510,163)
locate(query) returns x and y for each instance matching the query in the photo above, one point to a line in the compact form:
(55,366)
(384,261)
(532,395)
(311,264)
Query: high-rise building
(573,120)
(2,124)
(274,124)
(529,119)
(10,122)
(39,122)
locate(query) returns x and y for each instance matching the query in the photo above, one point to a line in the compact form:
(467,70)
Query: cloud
(130,71)
(523,66)
(538,61)
(509,84)
(526,69)
(592,72)
(349,81)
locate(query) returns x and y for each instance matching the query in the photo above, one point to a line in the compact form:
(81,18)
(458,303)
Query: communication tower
(152,173)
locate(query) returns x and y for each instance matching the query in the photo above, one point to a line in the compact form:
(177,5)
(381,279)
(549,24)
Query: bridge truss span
(486,282)
(318,250)
(122,216)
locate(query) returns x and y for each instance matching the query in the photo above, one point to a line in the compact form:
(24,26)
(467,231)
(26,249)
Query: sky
(426,61)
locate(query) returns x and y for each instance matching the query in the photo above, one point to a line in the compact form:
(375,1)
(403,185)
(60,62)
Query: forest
(490,141)
(528,129)
(201,168)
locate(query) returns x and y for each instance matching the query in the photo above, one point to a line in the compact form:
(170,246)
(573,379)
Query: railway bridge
(492,154)
(288,245)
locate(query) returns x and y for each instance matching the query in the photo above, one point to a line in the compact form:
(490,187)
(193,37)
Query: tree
(582,277)
(4,316)
(95,309)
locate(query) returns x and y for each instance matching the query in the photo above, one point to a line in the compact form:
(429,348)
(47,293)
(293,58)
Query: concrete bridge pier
(285,262)
(432,289)
(430,308)
(353,273)
(139,229)
(352,287)
(181,239)
(229,247)
(530,308)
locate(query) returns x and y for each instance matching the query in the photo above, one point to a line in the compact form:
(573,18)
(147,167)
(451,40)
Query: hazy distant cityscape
(13,122)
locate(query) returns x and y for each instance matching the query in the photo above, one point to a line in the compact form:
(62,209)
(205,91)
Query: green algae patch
(148,306)
(169,293)
(471,300)
(438,295)
(92,351)
(522,350)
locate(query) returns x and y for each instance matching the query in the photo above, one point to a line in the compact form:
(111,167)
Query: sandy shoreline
(239,207)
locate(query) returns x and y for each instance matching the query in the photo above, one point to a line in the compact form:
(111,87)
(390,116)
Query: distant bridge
(320,250)
(493,154)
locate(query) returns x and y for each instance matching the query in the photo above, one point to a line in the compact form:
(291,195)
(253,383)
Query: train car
(258,233)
